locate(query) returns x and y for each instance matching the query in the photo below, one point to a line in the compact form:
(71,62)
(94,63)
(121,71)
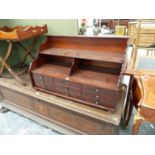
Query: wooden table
(144,100)
(62,115)
(16,35)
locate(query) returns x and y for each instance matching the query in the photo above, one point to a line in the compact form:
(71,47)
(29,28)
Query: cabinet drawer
(90,99)
(109,95)
(59,88)
(73,85)
(38,80)
(67,83)
(74,92)
(91,89)
(100,103)
(59,81)
(48,83)
(93,95)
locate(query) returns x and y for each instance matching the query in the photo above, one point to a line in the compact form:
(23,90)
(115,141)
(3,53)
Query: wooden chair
(144,38)
(144,78)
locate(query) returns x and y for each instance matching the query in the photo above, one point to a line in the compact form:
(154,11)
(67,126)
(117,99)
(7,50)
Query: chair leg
(138,120)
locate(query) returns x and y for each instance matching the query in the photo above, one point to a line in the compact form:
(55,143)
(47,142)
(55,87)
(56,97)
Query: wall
(55,26)
(3,22)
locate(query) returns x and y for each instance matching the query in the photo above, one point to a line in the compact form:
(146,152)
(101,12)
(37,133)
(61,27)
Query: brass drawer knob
(67,94)
(97,96)
(97,102)
(97,90)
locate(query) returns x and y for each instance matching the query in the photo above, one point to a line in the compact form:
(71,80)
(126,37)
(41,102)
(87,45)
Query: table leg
(28,50)
(138,120)
(6,56)
(12,72)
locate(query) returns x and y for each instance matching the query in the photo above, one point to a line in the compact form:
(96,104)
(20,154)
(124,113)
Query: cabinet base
(64,116)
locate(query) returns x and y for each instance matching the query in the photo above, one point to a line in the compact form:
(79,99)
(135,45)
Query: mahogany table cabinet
(85,69)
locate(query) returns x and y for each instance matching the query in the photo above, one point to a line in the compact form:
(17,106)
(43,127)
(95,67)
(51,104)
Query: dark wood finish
(90,43)
(89,55)
(64,116)
(84,69)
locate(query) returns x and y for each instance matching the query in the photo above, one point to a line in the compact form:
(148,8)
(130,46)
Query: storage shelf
(96,79)
(85,54)
(83,69)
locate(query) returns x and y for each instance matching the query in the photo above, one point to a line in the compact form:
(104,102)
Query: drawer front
(90,100)
(68,88)
(109,95)
(73,85)
(72,92)
(102,97)
(67,83)
(59,88)
(100,103)
(59,81)
(91,89)
(68,91)
(93,95)
(48,83)
(38,80)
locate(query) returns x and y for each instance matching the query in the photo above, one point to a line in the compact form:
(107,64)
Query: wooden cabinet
(80,68)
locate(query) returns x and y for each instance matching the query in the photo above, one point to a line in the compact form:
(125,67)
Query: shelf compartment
(83,69)
(85,54)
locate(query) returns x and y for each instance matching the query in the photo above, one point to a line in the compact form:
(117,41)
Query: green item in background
(14,57)
(34,51)
(55,26)
(18,53)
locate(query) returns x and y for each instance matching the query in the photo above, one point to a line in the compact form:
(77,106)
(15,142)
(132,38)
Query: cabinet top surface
(86,46)
(89,36)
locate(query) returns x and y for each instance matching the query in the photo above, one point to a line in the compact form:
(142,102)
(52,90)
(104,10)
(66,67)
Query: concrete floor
(12,123)
(146,128)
